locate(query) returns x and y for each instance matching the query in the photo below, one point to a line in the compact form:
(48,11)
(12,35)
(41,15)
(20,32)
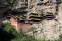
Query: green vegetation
(7,27)
(32,29)
(16,36)
(8,33)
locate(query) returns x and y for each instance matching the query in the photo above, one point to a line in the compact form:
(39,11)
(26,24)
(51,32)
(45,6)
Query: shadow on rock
(5,36)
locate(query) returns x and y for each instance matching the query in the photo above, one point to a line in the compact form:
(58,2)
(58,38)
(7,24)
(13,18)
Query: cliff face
(49,29)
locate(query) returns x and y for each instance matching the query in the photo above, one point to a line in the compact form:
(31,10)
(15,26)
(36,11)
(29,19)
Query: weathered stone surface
(49,29)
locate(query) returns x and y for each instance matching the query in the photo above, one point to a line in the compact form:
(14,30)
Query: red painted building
(19,26)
